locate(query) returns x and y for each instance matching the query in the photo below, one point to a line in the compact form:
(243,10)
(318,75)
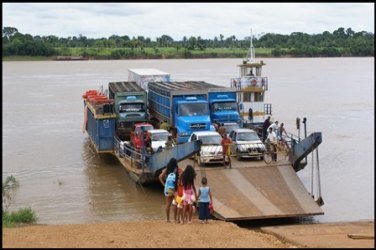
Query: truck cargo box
(143,76)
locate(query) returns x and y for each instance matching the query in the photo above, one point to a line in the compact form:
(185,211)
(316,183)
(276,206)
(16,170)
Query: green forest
(341,42)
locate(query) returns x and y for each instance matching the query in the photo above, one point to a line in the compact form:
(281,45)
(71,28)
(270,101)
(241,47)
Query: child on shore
(178,201)
(189,192)
(205,198)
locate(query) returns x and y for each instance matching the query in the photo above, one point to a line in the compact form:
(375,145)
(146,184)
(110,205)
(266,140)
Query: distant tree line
(339,43)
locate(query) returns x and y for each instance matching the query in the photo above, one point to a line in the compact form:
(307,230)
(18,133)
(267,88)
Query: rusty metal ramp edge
(259,192)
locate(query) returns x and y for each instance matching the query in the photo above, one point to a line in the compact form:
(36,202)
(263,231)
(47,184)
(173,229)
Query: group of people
(274,136)
(180,192)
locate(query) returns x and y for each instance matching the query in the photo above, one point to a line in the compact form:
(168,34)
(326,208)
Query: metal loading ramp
(258,192)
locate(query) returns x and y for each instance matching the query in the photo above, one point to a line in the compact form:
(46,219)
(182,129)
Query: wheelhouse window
(259,97)
(247,96)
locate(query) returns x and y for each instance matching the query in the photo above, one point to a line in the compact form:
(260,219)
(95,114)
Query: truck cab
(131,108)
(130,102)
(190,114)
(223,107)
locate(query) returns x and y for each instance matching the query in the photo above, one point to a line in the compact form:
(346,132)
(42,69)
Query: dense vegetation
(342,42)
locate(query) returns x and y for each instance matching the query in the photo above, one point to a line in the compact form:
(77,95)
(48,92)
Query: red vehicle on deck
(136,133)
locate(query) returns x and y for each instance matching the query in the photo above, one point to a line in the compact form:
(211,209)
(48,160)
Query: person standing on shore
(189,192)
(178,200)
(169,173)
(205,198)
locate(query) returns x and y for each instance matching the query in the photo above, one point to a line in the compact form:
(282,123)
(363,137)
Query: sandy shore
(148,234)
(216,234)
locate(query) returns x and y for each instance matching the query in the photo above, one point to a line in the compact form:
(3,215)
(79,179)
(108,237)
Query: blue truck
(183,105)
(223,106)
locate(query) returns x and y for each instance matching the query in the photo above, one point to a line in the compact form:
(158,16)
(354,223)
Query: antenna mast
(251,51)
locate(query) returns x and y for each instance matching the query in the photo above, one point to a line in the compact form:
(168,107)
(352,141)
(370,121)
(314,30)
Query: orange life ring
(253,82)
(91,96)
(89,93)
(93,91)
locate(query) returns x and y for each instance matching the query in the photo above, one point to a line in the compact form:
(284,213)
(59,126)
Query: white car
(246,144)
(159,138)
(211,148)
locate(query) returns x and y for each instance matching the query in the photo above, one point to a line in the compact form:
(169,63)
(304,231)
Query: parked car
(246,144)
(230,126)
(211,148)
(159,138)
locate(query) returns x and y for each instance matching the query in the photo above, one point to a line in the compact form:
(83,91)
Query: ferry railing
(159,160)
(125,150)
(249,83)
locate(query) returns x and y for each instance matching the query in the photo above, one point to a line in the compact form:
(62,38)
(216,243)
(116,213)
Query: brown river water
(65,182)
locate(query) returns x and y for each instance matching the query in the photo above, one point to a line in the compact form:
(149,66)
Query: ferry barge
(250,189)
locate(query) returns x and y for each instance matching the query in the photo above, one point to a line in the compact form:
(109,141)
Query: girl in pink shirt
(189,192)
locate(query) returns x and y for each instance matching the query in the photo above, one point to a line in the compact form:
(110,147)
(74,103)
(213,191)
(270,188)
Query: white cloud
(207,20)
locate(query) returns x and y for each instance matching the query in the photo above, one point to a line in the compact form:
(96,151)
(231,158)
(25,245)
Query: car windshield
(247,136)
(230,127)
(225,106)
(146,128)
(131,107)
(210,139)
(159,137)
(188,109)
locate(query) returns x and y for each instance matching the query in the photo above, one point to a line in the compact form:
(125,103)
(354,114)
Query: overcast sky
(95,20)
